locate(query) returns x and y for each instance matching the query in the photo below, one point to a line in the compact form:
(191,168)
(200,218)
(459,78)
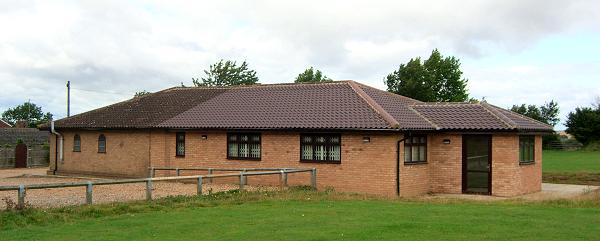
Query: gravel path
(57,197)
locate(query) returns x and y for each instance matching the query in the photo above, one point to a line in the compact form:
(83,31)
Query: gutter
(59,147)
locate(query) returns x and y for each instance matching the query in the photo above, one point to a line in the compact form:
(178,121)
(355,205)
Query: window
(101,144)
(245,146)
(526,149)
(76,143)
(415,149)
(320,148)
(180,144)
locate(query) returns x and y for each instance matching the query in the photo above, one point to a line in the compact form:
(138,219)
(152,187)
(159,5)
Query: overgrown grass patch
(580,178)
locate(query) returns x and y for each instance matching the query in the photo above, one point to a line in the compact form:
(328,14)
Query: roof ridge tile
(507,121)
(374,105)
(425,118)
(387,92)
(519,115)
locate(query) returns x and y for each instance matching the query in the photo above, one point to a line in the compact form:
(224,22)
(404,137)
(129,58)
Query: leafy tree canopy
(547,113)
(436,79)
(227,73)
(27,111)
(311,75)
(584,124)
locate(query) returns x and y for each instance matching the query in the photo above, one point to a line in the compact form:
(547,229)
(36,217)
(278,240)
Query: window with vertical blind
(76,143)
(244,146)
(415,149)
(526,149)
(180,144)
(326,148)
(101,144)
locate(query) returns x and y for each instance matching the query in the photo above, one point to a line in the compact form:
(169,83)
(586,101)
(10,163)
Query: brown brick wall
(414,178)
(366,167)
(509,178)
(445,162)
(127,154)
(531,175)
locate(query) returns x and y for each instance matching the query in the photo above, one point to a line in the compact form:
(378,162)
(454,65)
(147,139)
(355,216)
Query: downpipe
(59,146)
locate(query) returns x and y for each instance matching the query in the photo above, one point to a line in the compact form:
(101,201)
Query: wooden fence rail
(21,189)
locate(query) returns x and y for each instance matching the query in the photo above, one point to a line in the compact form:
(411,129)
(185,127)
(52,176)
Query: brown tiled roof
(4,124)
(340,105)
(147,111)
(288,106)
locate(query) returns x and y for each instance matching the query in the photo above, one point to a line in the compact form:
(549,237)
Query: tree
(549,113)
(437,79)
(141,93)
(546,113)
(312,76)
(584,124)
(29,112)
(227,73)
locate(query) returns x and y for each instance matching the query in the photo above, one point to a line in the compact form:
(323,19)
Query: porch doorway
(477,164)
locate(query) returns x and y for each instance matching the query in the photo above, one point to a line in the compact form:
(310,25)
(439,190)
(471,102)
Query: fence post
(152,172)
(313,178)
(149,189)
(21,201)
(199,185)
(245,177)
(281,178)
(242,181)
(177,171)
(210,172)
(88,193)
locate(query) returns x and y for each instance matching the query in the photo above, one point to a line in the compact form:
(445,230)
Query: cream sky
(511,51)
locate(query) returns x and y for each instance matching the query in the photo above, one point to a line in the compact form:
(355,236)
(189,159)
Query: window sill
(179,156)
(76,151)
(243,159)
(415,163)
(321,162)
(526,163)
(101,152)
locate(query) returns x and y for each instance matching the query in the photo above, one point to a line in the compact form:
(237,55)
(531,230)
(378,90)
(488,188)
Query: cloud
(110,49)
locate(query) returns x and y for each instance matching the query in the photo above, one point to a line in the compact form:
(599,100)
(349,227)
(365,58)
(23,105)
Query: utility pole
(68,98)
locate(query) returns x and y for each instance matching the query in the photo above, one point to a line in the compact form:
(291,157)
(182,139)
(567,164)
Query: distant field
(572,167)
(307,215)
(571,161)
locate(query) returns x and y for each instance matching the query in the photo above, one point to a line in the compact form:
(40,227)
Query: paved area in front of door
(13,172)
(549,191)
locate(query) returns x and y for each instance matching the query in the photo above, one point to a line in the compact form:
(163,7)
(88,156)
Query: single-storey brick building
(359,138)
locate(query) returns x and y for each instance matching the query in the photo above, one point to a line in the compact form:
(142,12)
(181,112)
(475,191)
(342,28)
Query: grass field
(308,215)
(571,161)
(574,167)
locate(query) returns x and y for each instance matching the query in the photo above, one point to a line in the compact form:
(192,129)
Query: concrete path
(549,191)
(558,191)
(15,172)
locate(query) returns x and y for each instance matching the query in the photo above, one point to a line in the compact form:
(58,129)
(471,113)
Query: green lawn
(307,215)
(575,167)
(571,161)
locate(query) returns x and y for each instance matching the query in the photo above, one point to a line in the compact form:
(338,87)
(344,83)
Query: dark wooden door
(21,155)
(477,164)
